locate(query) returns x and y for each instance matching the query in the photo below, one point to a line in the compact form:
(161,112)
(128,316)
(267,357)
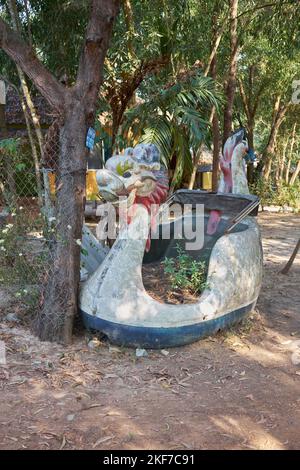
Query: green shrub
(21,253)
(185,273)
(279,195)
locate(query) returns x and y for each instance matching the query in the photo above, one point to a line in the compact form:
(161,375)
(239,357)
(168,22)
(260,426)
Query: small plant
(185,273)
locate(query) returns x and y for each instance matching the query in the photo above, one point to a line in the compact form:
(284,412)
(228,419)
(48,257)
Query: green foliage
(186,273)
(9,146)
(182,31)
(16,168)
(279,195)
(289,195)
(175,119)
(19,264)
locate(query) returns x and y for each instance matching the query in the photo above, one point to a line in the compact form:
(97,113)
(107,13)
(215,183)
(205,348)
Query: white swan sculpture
(113,298)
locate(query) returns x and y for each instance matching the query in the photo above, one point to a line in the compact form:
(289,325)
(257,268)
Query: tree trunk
(216,152)
(279,113)
(197,160)
(198,155)
(287,174)
(215,132)
(34,153)
(287,267)
(128,14)
(249,107)
(282,161)
(121,96)
(55,321)
(48,210)
(213,118)
(231,82)
(287,170)
(77,107)
(295,174)
(250,129)
(250,104)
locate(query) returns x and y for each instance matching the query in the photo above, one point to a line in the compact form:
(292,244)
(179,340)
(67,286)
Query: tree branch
(258,95)
(11,84)
(266,5)
(24,56)
(99,29)
(244,99)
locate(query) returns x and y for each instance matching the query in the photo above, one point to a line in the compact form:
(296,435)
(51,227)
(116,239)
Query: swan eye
(127,174)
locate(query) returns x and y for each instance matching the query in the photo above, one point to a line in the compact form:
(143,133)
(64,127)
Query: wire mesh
(28,218)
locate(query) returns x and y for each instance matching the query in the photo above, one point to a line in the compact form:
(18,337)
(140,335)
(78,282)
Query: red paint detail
(226,170)
(156,198)
(225,165)
(213,222)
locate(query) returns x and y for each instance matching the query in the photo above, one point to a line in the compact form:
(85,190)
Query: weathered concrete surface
(115,292)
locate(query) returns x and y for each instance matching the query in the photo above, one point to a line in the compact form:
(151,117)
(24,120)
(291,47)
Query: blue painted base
(157,338)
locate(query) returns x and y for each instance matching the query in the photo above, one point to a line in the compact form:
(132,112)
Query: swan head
(135,174)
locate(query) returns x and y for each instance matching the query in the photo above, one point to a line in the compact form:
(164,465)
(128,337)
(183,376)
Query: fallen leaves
(93,405)
(102,440)
(63,443)
(250,397)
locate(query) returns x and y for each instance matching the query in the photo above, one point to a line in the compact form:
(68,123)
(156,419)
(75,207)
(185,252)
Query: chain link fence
(28,219)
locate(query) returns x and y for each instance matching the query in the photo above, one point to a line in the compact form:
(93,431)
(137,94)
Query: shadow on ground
(238,390)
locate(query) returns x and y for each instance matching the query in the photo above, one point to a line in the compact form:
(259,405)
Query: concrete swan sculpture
(113,298)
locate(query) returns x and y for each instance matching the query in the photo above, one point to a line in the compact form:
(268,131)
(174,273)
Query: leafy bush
(279,195)
(289,196)
(21,253)
(17,168)
(186,273)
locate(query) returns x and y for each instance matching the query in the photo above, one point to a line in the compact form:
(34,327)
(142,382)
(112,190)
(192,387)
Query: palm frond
(183,157)
(175,120)
(159,132)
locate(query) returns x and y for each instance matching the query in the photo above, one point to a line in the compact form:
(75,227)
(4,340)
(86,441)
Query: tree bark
(198,155)
(43,196)
(282,161)
(278,117)
(216,152)
(120,96)
(287,173)
(287,267)
(34,152)
(62,292)
(55,320)
(36,124)
(216,135)
(250,103)
(231,82)
(24,56)
(213,118)
(77,107)
(128,14)
(295,174)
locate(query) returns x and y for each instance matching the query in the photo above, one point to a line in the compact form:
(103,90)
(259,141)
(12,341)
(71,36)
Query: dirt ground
(162,291)
(238,390)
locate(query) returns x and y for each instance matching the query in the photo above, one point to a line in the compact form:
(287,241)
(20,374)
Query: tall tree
(231,81)
(279,113)
(76,107)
